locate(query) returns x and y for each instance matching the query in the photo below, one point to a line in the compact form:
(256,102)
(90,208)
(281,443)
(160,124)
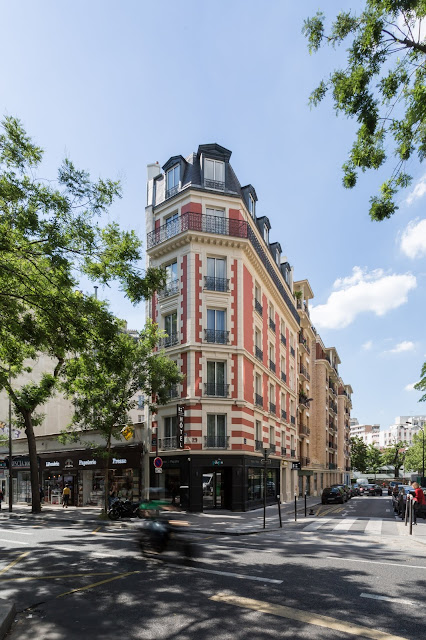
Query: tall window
(170,427)
(172,225)
(214,174)
(171,286)
(251,205)
(140,402)
(215,221)
(216,430)
(216,326)
(271,437)
(216,275)
(170,327)
(172,181)
(258,384)
(266,234)
(258,432)
(283,407)
(216,380)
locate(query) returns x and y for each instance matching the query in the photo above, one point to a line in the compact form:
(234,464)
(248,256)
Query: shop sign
(181,425)
(119,461)
(295,465)
(68,464)
(54,463)
(87,463)
(217,462)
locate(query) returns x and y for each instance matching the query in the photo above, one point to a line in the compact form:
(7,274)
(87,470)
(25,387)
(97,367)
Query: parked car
(356,489)
(374,490)
(333,494)
(394,484)
(346,489)
(363,489)
(401,499)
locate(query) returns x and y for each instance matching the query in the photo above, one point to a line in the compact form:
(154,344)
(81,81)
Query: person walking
(419,499)
(66,494)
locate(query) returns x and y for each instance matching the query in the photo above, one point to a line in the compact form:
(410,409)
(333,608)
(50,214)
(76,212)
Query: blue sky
(117,85)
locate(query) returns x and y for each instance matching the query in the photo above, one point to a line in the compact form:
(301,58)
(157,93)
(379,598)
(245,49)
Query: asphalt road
(86,581)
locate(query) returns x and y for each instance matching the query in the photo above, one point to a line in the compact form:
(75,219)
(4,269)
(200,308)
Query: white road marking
(14,541)
(391,564)
(225,573)
(396,600)
(374,527)
(20,533)
(316,524)
(345,525)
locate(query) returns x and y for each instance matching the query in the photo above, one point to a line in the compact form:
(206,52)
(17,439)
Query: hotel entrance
(214,487)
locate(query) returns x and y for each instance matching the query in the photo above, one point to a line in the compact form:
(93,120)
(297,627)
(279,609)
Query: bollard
(305,504)
(406,511)
(295,508)
(410,515)
(279,511)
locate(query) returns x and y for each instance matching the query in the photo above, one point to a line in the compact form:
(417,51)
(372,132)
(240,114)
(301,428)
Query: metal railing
(283,339)
(292,351)
(216,284)
(214,184)
(216,335)
(167,443)
(283,376)
(292,419)
(304,430)
(258,400)
(332,465)
(173,392)
(258,445)
(169,289)
(272,366)
(272,408)
(258,353)
(215,389)
(283,414)
(272,324)
(172,192)
(191,221)
(283,451)
(216,442)
(258,307)
(293,453)
(168,341)
(304,372)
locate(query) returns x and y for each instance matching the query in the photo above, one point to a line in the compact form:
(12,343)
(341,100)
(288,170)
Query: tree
(358,455)
(414,458)
(374,459)
(383,87)
(50,234)
(395,456)
(103,387)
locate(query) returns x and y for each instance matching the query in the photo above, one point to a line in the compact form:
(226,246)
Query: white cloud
(418,191)
(413,239)
(410,387)
(401,347)
(375,292)
(367,345)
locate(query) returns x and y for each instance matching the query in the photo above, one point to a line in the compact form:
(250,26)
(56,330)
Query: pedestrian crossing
(363,526)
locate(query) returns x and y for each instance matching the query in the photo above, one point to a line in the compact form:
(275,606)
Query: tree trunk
(32,451)
(106,501)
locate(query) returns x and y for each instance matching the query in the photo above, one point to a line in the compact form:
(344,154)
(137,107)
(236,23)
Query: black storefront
(199,482)
(84,472)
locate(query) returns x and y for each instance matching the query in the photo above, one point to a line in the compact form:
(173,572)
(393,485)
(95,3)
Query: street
(350,571)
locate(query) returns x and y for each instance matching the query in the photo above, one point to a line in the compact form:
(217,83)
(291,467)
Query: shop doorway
(214,486)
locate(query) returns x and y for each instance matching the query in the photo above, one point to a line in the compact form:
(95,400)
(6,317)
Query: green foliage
(394,455)
(421,384)
(358,455)
(374,459)
(414,455)
(383,87)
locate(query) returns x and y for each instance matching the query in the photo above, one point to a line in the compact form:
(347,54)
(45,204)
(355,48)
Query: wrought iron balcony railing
(214,184)
(304,430)
(164,444)
(272,408)
(283,376)
(258,400)
(258,445)
(216,335)
(283,451)
(258,353)
(272,366)
(304,372)
(168,341)
(272,324)
(293,453)
(283,339)
(283,414)
(216,284)
(172,192)
(293,419)
(258,307)
(216,442)
(170,289)
(332,465)
(173,391)
(191,221)
(215,389)
(292,351)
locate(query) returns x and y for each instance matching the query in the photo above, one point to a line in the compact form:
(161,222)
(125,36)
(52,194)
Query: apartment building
(369,433)
(238,327)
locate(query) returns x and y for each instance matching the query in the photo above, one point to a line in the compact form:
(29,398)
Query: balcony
(272,408)
(258,307)
(172,192)
(292,351)
(304,430)
(332,407)
(216,442)
(293,453)
(272,366)
(304,343)
(283,340)
(214,184)
(258,400)
(165,444)
(216,284)
(191,221)
(303,400)
(215,389)
(216,336)
(168,341)
(173,392)
(331,465)
(283,415)
(258,445)
(258,353)
(332,388)
(304,372)
(283,451)
(170,289)
(293,419)
(272,324)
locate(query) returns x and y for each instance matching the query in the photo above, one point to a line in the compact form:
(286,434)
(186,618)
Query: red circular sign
(158,463)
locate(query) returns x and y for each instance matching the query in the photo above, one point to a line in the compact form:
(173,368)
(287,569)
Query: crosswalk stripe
(316,524)
(374,526)
(345,525)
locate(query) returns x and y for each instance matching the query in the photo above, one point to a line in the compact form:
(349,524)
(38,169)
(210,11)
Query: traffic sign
(158,470)
(158,463)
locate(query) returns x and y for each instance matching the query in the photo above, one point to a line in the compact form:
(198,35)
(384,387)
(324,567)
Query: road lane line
(305,616)
(396,600)
(11,564)
(15,541)
(20,533)
(97,584)
(345,525)
(391,564)
(68,575)
(374,527)
(316,524)
(241,576)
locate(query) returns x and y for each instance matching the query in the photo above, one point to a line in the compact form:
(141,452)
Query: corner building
(231,321)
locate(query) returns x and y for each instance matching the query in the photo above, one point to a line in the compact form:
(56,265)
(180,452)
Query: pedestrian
(419,499)
(66,493)
(1,497)
(41,494)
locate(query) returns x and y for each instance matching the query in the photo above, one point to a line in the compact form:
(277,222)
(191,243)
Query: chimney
(153,170)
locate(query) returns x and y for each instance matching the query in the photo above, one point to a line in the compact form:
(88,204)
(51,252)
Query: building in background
(257,377)
(369,433)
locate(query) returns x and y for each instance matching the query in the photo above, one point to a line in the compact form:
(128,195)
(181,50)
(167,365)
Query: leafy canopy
(358,454)
(382,87)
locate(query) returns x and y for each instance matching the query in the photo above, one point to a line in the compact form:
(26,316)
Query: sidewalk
(214,521)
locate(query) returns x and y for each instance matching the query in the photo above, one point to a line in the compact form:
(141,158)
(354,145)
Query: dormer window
(266,234)
(251,205)
(172,177)
(214,174)
(277,257)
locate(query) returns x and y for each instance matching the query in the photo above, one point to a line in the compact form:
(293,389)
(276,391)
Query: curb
(7,615)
